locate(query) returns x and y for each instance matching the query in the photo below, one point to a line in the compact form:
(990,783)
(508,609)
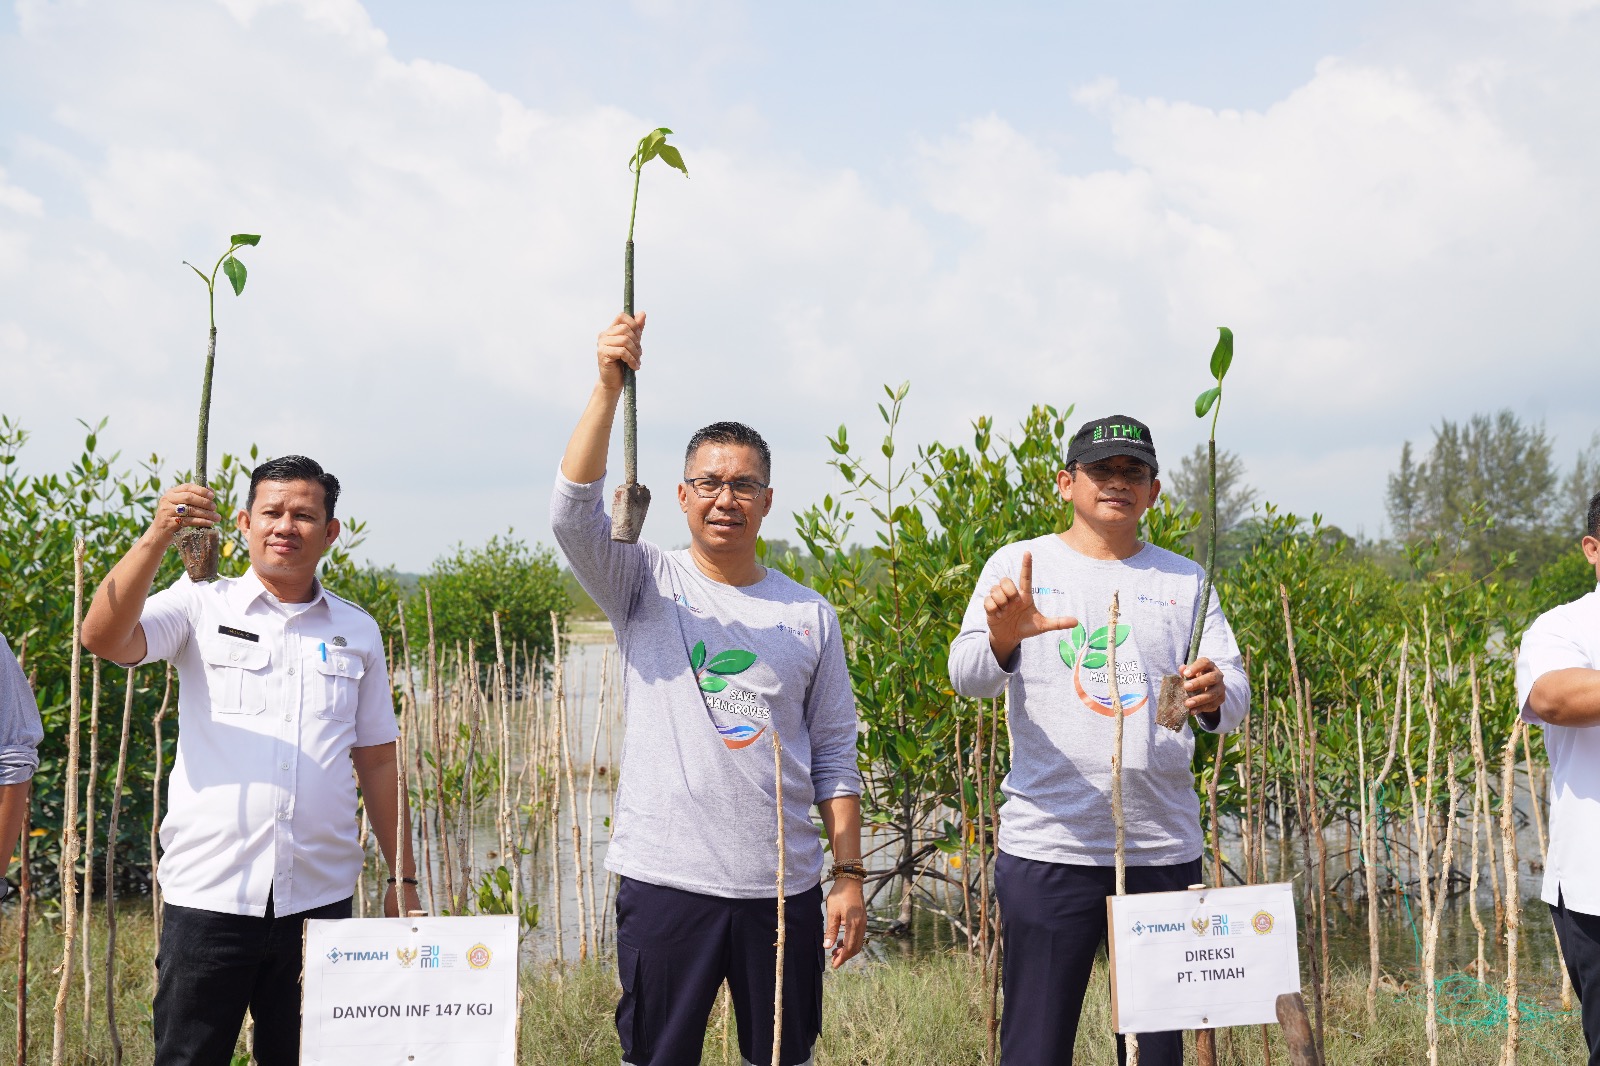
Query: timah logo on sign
(336,956)
(1141,928)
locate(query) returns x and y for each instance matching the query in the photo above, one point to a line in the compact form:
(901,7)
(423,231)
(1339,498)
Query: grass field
(913,1012)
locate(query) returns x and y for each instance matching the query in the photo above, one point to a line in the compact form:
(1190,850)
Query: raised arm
(619,346)
(111,627)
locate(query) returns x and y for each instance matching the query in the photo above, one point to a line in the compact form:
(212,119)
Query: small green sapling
(1170,709)
(632,499)
(200,547)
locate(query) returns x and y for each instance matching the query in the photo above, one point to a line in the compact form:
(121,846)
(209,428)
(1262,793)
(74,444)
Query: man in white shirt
(20,734)
(1558,686)
(283,692)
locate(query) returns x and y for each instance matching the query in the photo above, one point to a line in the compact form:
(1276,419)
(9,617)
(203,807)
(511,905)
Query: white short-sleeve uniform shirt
(271,698)
(1561,638)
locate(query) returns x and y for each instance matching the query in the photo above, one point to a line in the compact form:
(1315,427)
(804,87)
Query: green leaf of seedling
(1094,660)
(1203,402)
(732,661)
(714,684)
(1222,354)
(672,158)
(1098,641)
(697,657)
(236,273)
(245,238)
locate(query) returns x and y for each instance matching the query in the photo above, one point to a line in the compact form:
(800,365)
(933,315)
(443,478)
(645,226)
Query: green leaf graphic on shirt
(1070,645)
(713,684)
(1098,641)
(698,656)
(1094,660)
(732,661)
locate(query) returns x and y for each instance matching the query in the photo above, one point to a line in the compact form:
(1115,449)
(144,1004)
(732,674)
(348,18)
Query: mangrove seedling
(632,499)
(1170,709)
(200,547)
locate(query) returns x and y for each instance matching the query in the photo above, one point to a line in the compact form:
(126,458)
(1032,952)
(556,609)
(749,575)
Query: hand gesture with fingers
(186,505)
(618,347)
(1013,617)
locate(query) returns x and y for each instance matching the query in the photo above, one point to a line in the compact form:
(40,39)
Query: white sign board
(410,991)
(1201,959)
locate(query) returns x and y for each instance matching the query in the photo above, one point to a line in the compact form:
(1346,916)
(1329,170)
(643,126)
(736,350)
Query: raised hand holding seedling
(632,500)
(200,542)
(1013,616)
(1196,691)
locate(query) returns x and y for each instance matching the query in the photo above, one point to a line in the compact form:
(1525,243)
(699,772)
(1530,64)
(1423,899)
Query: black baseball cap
(1101,438)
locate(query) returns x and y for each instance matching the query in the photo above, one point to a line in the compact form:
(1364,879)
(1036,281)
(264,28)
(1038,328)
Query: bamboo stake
(155,808)
(777,988)
(1310,817)
(1481,970)
(1216,829)
(1431,944)
(25,891)
(966,828)
(564,731)
(588,799)
(1117,821)
(111,868)
(1370,838)
(86,922)
(1508,839)
(422,780)
(69,819)
(435,714)
(995,944)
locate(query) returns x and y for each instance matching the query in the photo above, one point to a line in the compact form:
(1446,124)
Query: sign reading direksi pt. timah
(1201,959)
(411,991)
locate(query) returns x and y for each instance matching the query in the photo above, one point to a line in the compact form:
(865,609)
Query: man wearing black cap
(1022,632)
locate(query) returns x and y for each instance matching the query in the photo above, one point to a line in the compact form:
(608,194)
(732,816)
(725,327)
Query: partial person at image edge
(1558,689)
(20,735)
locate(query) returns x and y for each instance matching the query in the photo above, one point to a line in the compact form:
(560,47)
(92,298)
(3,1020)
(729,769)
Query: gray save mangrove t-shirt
(708,671)
(1058,793)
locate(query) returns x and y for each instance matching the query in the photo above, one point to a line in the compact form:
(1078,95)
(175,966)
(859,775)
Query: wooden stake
(111,868)
(68,865)
(1117,821)
(1508,840)
(777,992)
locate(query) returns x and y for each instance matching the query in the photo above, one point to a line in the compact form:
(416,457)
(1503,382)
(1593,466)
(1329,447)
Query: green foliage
(468,587)
(494,896)
(109,504)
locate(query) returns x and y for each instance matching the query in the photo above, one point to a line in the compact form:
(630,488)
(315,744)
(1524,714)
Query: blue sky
(1392,206)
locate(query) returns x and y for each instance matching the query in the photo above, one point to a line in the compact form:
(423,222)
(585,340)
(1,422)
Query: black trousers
(674,950)
(211,968)
(1580,944)
(1052,921)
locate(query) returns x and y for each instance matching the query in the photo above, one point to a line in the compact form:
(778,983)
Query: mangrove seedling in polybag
(632,499)
(1170,701)
(200,546)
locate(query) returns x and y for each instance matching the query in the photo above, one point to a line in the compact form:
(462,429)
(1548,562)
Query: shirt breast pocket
(236,675)
(341,686)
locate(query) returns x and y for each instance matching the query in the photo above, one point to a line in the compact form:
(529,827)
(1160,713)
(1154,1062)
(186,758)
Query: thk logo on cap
(1101,438)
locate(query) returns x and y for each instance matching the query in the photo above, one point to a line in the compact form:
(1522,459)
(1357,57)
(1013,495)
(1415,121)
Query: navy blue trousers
(1580,945)
(211,968)
(1052,921)
(674,950)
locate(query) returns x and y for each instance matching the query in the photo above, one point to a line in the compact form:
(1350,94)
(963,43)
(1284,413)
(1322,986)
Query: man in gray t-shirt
(719,654)
(1037,626)
(20,734)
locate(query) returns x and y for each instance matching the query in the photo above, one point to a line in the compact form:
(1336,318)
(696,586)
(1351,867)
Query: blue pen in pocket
(324,648)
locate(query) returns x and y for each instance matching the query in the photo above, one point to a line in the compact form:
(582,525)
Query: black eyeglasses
(709,488)
(1133,473)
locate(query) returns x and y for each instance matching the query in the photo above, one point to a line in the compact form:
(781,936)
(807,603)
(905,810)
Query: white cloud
(1390,244)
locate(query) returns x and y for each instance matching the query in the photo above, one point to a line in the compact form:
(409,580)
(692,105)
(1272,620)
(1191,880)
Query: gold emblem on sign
(406,956)
(1200,925)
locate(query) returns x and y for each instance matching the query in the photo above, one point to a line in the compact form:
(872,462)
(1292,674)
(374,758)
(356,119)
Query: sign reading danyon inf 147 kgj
(1201,959)
(410,991)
